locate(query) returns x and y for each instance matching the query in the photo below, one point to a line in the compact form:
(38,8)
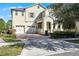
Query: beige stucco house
(34,19)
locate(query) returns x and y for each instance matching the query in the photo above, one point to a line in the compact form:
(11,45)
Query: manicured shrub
(62,34)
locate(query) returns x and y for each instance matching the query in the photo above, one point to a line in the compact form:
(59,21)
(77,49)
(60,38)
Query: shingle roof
(23,9)
(18,9)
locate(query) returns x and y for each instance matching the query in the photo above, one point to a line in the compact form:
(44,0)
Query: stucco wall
(48,19)
(77,26)
(31,21)
(18,19)
(35,10)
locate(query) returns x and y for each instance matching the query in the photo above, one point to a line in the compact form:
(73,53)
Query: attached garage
(20,29)
(31,29)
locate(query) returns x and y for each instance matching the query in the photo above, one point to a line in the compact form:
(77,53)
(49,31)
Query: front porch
(43,26)
(48,26)
(57,27)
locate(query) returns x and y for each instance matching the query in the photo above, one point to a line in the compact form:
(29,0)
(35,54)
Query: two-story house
(34,19)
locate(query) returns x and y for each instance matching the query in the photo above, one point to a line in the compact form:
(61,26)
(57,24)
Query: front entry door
(49,26)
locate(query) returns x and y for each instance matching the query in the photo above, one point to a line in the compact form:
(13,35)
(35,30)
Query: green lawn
(9,38)
(11,50)
(73,41)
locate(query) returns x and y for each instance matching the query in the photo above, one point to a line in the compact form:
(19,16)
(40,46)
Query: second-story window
(31,15)
(16,13)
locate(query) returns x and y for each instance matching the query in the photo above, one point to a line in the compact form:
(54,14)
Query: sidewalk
(1,40)
(3,43)
(8,43)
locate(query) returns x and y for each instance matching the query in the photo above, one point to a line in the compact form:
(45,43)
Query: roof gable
(23,9)
(35,5)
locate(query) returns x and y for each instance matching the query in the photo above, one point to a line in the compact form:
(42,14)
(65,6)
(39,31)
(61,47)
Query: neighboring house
(34,19)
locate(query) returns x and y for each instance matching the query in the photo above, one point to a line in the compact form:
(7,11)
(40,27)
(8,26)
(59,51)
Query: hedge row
(61,34)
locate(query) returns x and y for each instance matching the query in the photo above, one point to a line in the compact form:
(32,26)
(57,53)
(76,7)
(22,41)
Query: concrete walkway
(3,43)
(9,43)
(44,46)
(1,40)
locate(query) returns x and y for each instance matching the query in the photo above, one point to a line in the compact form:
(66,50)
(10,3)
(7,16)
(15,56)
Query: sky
(5,8)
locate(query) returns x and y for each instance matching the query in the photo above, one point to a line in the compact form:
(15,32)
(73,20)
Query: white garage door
(19,30)
(31,29)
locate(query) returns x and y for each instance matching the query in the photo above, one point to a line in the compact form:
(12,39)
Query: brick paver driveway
(39,45)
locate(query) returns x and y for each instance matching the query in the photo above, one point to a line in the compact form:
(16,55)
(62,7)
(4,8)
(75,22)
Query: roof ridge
(35,4)
(31,6)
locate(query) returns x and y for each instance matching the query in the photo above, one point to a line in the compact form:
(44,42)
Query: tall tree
(67,14)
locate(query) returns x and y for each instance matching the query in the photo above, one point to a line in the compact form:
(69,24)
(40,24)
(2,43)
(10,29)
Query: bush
(77,35)
(62,34)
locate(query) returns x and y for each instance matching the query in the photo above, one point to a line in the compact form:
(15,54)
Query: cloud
(4,9)
(1,17)
(9,16)
(16,7)
(8,8)
(20,7)
(12,7)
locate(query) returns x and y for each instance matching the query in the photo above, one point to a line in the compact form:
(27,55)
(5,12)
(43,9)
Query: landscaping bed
(11,50)
(73,41)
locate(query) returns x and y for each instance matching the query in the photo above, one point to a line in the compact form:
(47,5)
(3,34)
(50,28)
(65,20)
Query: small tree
(9,24)
(2,25)
(9,27)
